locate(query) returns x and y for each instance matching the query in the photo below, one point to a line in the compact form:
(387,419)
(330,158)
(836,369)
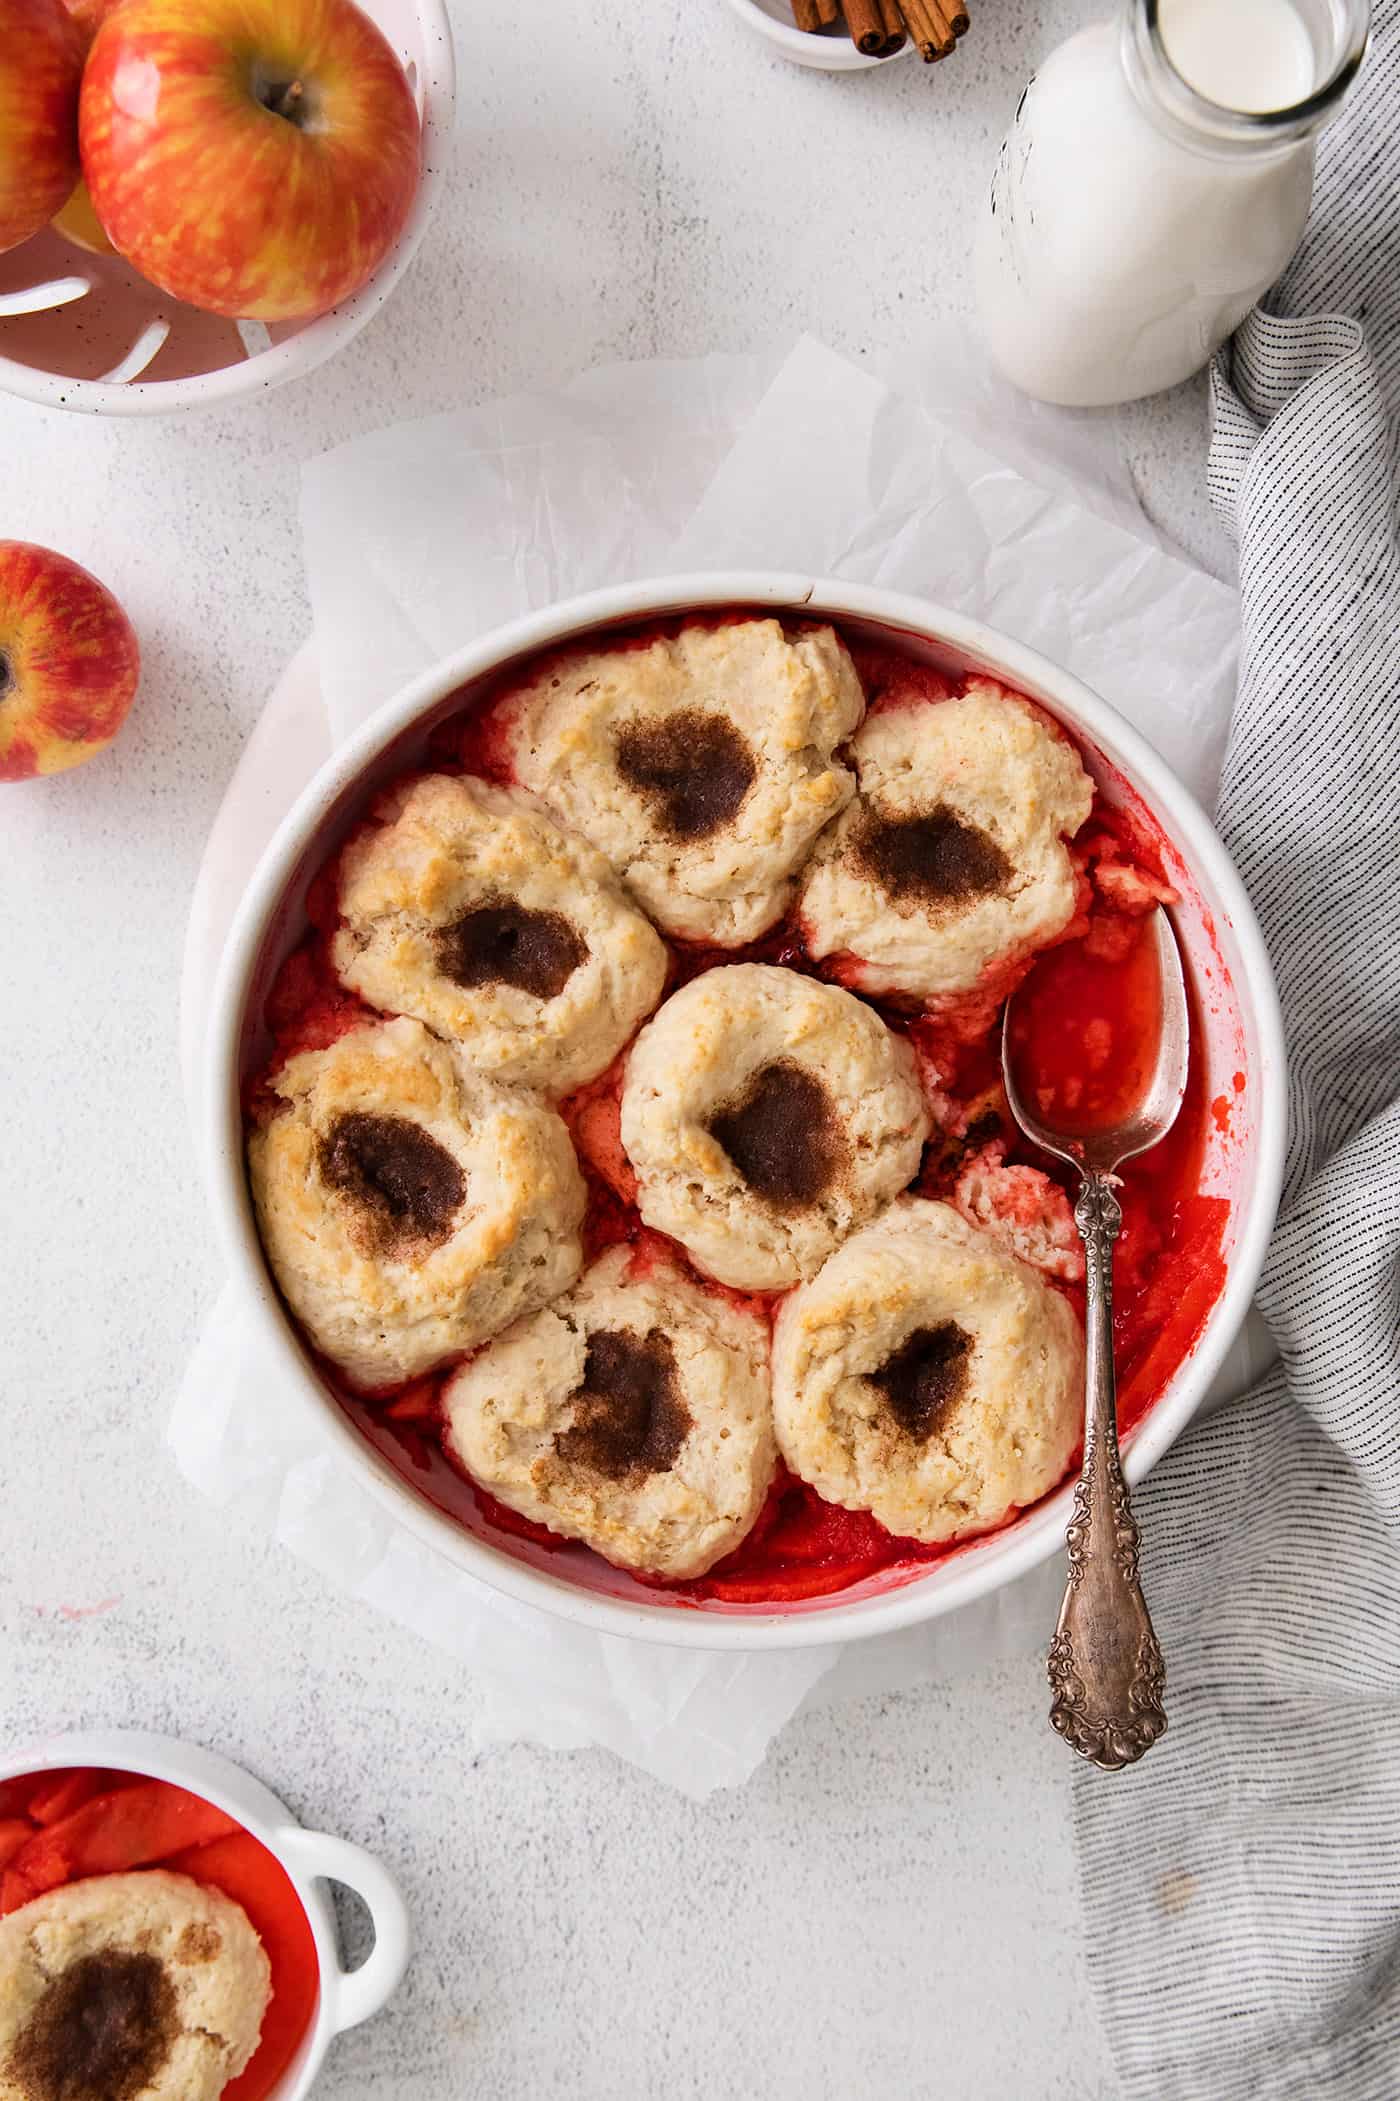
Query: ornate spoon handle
(1106,1670)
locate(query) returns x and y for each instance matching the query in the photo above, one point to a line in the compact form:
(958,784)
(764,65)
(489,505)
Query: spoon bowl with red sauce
(1095,1056)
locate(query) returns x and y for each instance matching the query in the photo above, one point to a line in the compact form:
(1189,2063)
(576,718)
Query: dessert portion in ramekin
(630,1147)
(151,1949)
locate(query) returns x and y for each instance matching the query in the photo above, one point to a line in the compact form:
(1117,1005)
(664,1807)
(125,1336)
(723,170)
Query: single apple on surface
(69,663)
(256,158)
(78,221)
(41,64)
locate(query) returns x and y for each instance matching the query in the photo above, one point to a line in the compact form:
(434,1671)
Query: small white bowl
(78,331)
(827,51)
(309,1858)
(1242,1032)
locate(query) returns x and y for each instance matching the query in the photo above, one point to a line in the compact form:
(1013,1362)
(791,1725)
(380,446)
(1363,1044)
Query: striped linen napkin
(1242,1886)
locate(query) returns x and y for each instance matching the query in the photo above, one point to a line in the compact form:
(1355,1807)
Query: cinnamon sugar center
(693,768)
(936,858)
(926,1377)
(783,1136)
(629,1418)
(502,944)
(407,1187)
(102,2031)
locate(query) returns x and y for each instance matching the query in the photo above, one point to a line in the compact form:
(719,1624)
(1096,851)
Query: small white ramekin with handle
(310,1859)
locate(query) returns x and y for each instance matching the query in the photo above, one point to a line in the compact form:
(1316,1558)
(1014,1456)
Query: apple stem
(7,676)
(287,101)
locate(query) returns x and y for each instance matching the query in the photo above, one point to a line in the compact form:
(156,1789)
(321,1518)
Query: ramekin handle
(355,1995)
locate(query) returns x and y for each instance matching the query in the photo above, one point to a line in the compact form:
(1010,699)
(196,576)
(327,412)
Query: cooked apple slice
(130,1828)
(59,1795)
(14,1833)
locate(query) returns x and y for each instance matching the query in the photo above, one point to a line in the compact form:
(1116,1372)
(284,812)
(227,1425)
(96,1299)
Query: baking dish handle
(355,1995)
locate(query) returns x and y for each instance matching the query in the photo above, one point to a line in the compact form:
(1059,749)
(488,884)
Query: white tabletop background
(890,1907)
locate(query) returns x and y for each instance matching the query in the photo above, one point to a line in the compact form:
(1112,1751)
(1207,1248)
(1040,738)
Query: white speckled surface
(889,1908)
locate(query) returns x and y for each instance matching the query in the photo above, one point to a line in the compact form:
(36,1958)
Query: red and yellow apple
(69,663)
(78,221)
(256,158)
(41,64)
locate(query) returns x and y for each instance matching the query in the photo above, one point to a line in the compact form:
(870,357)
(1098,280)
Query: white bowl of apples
(200,199)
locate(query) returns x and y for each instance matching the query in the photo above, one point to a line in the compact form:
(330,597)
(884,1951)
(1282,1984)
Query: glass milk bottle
(1154,183)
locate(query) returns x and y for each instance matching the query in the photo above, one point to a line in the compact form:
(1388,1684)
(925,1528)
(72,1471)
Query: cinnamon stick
(930,27)
(894,27)
(948,14)
(878,27)
(866,22)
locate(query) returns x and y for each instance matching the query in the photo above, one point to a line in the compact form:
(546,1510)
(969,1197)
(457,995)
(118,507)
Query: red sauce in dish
(1091,1012)
(1085,1031)
(61,1827)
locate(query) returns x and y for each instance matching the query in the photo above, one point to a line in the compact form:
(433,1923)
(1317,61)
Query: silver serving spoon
(1106,1670)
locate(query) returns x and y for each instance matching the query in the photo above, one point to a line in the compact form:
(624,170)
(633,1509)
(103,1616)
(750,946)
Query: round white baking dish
(310,1859)
(80,331)
(1226,959)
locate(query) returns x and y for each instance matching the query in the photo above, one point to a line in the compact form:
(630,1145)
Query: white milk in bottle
(1155,181)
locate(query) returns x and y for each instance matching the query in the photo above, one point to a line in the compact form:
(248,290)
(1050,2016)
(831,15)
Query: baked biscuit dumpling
(632,1414)
(701,765)
(141,1987)
(409,1207)
(467,907)
(767,1115)
(952,858)
(928,1376)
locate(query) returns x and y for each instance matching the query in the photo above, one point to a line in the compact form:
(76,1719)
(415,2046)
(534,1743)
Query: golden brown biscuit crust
(137,1987)
(410,1207)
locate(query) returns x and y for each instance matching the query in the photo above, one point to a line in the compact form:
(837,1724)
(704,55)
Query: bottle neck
(1173,74)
